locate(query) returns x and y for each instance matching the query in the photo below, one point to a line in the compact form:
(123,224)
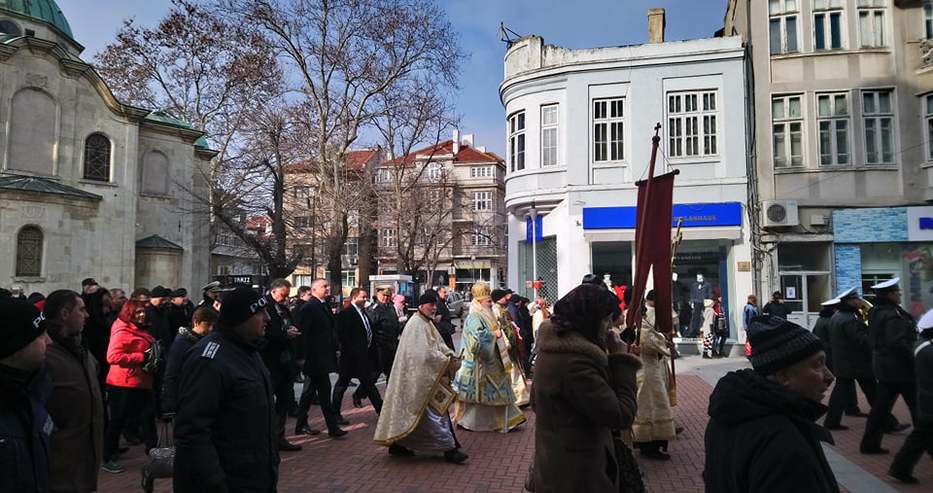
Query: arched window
(155,174)
(9,28)
(29,252)
(97,158)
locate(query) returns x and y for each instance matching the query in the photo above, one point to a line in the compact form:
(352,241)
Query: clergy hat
(179,293)
(427,298)
(926,321)
(849,293)
(480,291)
(886,285)
(160,292)
(832,302)
(498,294)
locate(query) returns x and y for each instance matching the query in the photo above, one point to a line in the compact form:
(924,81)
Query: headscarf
(399,302)
(583,310)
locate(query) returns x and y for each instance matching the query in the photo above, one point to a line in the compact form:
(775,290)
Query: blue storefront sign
(694,216)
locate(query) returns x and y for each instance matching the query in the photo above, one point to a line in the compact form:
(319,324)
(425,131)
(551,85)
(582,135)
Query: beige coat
(654,420)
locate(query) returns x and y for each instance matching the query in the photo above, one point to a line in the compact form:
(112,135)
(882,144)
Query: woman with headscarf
(483,382)
(584,389)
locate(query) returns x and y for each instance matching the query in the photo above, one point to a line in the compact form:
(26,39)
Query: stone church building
(89,186)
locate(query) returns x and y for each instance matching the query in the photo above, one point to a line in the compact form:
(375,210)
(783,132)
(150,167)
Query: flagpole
(639,303)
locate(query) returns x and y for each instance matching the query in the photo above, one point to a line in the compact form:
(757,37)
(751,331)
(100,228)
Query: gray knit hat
(777,343)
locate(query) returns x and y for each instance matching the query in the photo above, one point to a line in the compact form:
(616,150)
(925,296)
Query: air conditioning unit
(779,213)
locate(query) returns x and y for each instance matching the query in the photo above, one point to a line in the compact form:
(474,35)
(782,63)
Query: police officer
(851,357)
(223,430)
(892,334)
(277,356)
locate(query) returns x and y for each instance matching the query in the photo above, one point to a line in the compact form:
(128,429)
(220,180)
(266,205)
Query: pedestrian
(654,423)
(210,295)
(303,296)
(518,310)
(921,437)
(75,404)
(415,416)
(483,383)
(892,335)
(386,330)
(317,326)
(96,334)
(500,308)
(776,306)
(202,324)
(707,328)
(133,363)
(25,424)
(157,316)
(443,320)
(277,356)
(178,312)
(358,353)
(821,330)
(542,314)
(762,433)
(224,438)
(720,330)
(117,299)
(398,301)
(584,390)
(750,311)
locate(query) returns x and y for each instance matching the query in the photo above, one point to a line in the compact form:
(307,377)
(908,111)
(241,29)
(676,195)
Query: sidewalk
(498,463)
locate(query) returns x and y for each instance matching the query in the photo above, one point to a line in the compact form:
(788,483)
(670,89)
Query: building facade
(458,189)
(579,129)
(89,186)
(842,167)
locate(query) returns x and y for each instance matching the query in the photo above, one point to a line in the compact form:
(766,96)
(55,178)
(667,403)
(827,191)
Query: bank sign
(920,223)
(715,214)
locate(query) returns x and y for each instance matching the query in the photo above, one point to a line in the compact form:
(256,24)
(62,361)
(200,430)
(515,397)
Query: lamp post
(533,213)
(473,267)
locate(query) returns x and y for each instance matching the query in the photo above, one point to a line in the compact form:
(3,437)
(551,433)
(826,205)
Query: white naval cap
(849,293)
(890,283)
(832,302)
(926,321)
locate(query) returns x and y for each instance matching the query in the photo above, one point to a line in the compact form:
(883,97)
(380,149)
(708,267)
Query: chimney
(467,140)
(656,25)
(456,140)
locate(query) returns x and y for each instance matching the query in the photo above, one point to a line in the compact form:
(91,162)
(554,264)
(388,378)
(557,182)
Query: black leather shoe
(306,430)
(873,450)
(400,451)
(904,478)
(286,446)
(455,457)
(336,433)
(836,427)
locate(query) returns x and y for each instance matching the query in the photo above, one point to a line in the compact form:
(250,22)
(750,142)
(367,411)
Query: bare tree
(342,55)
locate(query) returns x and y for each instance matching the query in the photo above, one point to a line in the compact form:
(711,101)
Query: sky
(567,23)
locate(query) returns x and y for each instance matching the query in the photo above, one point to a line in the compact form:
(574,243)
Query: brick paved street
(498,463)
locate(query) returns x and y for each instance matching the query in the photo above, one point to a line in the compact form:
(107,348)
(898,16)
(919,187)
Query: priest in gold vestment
(484,382)
(654,423)
(500,300)
(415,415)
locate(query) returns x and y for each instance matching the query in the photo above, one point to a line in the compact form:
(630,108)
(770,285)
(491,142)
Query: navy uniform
(223,427)
(921,438)
(892,336)
(851,359)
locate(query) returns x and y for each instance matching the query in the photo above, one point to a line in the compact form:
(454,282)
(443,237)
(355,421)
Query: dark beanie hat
(777,343)
(239,305)
(22,324)
(428,297)
(498,294)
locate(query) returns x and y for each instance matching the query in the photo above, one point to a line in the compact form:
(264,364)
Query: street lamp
(533,213)
(473,267)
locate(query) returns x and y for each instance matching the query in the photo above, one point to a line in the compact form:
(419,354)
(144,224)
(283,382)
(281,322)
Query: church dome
(43,10)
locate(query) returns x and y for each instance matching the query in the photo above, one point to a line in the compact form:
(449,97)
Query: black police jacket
(223,425)
(848,338)
(25,427)
(892,333)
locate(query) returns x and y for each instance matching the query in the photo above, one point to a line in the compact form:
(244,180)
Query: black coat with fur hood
(580,394)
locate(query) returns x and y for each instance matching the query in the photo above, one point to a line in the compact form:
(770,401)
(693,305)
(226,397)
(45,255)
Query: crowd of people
(82,373)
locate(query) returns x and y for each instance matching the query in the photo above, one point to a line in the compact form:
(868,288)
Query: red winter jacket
(125,354)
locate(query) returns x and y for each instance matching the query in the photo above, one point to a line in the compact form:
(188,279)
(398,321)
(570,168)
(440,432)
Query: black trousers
(696,319)
(126,403)
(319,384)
(366,389)
(284,391)
(719,343)
(881,408)
(920,440)
(840,399)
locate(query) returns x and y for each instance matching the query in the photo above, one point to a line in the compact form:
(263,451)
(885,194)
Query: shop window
(878,111)
(827,24)
(787,131)
(692,127)
(517,141)
(833,121)
(608,130)
(29,252)
(782,26)
(871,23)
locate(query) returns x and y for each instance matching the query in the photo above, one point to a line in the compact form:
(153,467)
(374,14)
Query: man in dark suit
(317,325)
(357,351)
(277,357)
(442,319)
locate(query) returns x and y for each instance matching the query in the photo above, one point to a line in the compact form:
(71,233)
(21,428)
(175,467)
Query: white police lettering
(260,303)
(38,321)
(210,350)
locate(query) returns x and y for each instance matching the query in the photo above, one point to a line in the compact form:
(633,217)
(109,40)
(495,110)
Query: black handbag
(630,478)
